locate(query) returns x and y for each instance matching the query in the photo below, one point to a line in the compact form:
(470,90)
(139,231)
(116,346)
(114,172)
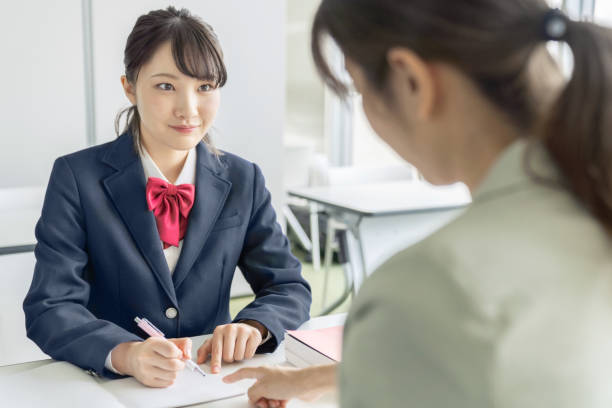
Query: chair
(20,198)
(21,206)
(15,347)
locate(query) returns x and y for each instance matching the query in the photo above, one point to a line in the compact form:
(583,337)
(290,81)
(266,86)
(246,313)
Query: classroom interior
(331,178)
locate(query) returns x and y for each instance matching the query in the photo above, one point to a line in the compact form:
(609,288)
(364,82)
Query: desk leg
(348,280)
(297,228)
(314,236)
(355,252)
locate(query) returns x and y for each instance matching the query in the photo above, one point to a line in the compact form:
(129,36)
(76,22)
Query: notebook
(304,348)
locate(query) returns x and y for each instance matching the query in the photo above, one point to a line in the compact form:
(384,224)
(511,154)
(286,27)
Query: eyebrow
(164,74)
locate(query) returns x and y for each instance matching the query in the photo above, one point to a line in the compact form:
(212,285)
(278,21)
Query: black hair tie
(555,25)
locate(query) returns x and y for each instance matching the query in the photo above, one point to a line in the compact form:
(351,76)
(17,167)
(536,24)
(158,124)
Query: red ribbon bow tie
(171,206)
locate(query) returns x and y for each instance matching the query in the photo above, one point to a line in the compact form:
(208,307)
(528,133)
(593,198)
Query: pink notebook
(326,341)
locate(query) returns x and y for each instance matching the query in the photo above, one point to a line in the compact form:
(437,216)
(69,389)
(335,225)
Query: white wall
(42,114)
(252,34)
(305,94)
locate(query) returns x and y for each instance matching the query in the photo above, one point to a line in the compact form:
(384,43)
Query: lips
(184,129)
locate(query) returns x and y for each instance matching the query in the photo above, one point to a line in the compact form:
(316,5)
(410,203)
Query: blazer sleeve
(57,318)
(282,296)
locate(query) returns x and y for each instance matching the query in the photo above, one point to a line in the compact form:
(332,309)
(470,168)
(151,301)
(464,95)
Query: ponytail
(578,130)
(132,124)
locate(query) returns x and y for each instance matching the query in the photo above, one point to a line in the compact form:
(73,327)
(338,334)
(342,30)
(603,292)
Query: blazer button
(171,313)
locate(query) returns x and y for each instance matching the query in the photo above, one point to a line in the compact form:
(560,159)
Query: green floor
(316,280)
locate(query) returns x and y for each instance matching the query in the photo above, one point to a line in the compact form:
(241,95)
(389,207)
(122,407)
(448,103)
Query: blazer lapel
(126,189)
(211,192)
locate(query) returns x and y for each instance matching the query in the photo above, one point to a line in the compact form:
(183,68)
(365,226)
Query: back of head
(500,46)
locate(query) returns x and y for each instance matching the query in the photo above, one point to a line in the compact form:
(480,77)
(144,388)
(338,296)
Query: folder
(304,348)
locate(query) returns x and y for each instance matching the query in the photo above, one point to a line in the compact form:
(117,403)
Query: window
(603,12)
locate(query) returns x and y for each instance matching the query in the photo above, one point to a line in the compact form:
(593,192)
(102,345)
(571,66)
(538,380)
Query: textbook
(61,384)
(304,348)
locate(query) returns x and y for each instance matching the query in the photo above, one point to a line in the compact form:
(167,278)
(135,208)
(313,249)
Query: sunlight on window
(603,12)
(368,148)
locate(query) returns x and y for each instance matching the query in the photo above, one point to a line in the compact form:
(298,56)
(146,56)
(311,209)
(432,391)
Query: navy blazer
(100,262)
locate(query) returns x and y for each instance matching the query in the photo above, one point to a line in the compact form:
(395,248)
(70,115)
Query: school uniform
(508,306)
(100,261)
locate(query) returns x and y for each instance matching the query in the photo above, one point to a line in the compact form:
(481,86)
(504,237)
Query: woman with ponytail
(154,224)
(509,305)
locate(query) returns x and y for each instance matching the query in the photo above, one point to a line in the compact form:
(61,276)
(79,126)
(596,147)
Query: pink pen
(153,331)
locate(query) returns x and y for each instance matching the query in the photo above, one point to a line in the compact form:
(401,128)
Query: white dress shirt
(187,176)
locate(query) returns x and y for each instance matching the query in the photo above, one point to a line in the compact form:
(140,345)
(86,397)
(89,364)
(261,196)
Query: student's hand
(154,362)
(231,342)
(276,385)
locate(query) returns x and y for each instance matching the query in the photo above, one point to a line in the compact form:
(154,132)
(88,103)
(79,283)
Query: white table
(328,401)
(384,218)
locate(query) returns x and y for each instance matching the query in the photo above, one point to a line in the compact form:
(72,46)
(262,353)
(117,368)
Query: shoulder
(412,322)
(87,155)
(100,159)
(415,281)
(239,170)
(83,164)
(233,161)
(226,164)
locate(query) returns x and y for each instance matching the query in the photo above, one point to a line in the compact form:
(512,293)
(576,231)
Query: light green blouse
(510,305)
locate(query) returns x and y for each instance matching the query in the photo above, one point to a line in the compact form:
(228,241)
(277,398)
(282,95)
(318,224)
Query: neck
(469,137)
(474,150)
(169,161)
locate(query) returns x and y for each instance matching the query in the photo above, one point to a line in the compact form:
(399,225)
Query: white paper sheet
(190,387)
(61,384)
(57,384)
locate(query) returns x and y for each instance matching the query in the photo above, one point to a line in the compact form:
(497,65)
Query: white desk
(328,401)
(384,218)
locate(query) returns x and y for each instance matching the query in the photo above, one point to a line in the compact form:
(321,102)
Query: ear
(129,89)
(415,77)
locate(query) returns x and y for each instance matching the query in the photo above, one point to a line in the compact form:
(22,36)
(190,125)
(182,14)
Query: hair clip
(555,25)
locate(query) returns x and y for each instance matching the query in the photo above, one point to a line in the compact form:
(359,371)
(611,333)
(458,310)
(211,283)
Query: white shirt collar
(187,175)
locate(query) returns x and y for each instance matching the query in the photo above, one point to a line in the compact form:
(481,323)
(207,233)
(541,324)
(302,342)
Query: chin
(439,180)
(185,142)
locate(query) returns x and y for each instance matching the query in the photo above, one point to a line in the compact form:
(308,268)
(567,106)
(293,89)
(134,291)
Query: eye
(165,86)
(206,87)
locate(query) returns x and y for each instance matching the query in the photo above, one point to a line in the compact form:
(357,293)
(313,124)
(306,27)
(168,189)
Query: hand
(232,342)
(276,385)
(154,362)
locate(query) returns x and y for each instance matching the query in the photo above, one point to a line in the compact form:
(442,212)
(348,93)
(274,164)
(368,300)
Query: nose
(186,105)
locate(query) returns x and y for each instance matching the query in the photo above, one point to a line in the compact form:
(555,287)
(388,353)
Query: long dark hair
(493,42)
(195,48)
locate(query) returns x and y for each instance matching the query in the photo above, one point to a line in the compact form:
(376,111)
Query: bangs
(197,53)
